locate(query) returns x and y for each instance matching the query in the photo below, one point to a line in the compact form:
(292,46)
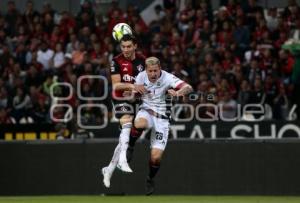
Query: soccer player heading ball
(124,69)
(153,84)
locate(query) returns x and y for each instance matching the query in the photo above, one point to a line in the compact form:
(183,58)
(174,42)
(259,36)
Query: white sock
(114,160)
(123,141)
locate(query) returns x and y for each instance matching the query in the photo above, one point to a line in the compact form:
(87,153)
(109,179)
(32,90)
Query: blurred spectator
(30,13)
(73,44)
(251,9)
(78,55)
(33,78)
(4,97)
(11,18)
(21,104)
(244,93)
(67,22)
(48,25)
(227,106)
(5,118)
(59,56)
(45,55)
(272,19)
(159,13)
(270,89)
(281,104)
(40,103)
(47,9)
(257,95)
(241,35)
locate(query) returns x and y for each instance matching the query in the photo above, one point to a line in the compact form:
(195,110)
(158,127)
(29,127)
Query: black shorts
(121,108)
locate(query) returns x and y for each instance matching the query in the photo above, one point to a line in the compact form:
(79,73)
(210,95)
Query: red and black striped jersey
(128,69)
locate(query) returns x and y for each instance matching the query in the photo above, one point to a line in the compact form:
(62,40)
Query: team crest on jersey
(123,108)
(158,83)
(140,68)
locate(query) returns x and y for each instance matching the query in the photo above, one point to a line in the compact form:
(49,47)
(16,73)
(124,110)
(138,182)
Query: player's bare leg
(154,165)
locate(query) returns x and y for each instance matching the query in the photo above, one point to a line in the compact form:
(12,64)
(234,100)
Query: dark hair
(128,37)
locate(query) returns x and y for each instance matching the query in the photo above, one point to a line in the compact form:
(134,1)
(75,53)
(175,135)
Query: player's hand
(140,89)
(127,94)
(172,92)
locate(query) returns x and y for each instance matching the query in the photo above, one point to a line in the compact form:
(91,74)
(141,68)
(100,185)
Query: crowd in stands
(231,55)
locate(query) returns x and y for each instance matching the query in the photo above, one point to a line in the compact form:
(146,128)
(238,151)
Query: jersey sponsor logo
(128,78)
(140,68)
(125,64)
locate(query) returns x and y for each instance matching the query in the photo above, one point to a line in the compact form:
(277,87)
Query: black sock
(153,169)
(134,136)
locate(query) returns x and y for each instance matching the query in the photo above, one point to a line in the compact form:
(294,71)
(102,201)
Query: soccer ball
(121,29)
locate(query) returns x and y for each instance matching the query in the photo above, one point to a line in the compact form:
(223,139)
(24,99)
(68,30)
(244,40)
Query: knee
(140,124)
(126,119)
(155,159)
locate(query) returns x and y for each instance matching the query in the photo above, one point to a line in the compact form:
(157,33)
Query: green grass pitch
(151,199)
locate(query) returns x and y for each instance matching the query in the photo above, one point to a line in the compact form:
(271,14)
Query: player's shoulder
(142,73)
(115,64)
(118,57)
(167,75)
(169,78)
(140,78)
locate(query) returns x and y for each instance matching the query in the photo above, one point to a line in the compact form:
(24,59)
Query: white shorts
(159,129)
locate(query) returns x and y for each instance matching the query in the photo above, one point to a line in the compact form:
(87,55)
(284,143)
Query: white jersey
(155,99)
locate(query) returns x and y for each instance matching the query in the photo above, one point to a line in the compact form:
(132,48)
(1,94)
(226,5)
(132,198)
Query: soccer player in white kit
(153,111)
(153,85)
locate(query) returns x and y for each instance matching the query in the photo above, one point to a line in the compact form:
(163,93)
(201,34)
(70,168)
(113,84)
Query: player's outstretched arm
(184,90)
(139,88)
(118,85)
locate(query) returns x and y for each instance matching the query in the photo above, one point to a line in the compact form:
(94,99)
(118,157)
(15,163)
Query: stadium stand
(233,53)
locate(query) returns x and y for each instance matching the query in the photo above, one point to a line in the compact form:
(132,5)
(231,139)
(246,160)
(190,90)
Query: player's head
(153,69)
(128,45)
